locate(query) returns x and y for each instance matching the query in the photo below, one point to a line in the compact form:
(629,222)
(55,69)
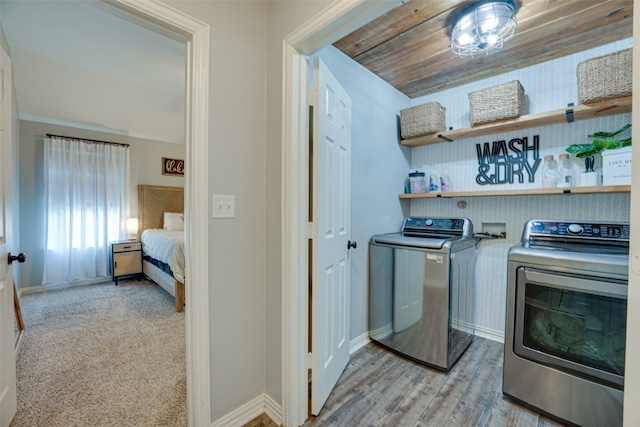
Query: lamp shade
(485,26)
(132,227)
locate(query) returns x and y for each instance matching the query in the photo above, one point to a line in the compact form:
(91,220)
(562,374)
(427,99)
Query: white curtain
(86,197)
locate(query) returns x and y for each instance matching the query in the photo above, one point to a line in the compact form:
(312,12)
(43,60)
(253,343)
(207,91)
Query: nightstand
(126,259)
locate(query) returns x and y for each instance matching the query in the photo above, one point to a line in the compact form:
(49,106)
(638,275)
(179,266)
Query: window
(86,191)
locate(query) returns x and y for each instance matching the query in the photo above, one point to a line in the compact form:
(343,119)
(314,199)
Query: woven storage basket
(505,101)
(605,77)
(422,120)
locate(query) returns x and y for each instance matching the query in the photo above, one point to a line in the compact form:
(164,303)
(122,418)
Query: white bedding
(165,246)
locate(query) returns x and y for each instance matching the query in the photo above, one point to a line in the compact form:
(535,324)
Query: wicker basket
(422,120)
(505,101)
(605,77)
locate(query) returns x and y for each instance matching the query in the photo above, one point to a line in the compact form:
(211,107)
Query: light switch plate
(224,206)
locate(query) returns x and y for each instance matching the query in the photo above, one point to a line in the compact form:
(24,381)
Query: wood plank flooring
(261,421)
(379,388)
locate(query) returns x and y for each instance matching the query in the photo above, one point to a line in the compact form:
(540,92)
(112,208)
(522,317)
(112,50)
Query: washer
(421,289)
(566,320)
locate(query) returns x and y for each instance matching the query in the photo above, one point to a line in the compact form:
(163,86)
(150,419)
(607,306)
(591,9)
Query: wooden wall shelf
(580,112)
(525,192)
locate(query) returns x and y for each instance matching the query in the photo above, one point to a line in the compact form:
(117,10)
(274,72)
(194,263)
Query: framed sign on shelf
(173,167)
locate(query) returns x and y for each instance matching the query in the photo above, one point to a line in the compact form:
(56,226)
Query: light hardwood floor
(379,388)
(261,421)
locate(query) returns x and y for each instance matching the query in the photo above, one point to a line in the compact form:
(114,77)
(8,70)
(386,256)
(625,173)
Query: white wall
(379,165)
(145,168)
(237,150)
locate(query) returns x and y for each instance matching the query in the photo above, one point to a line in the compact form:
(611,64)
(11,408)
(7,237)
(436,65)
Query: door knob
(351,244)
(20,258)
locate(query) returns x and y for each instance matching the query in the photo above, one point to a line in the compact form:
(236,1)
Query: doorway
(297,46)
(195,35)
(337,20)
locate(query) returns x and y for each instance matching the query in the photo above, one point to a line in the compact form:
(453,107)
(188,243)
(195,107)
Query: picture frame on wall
(174,167)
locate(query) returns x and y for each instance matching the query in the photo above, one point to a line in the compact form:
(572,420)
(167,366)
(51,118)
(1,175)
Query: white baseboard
(250,410)
(63,285)
(273,409)
(490,334)
(358,342)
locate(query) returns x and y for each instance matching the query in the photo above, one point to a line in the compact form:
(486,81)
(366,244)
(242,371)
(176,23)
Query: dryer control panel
(576,230)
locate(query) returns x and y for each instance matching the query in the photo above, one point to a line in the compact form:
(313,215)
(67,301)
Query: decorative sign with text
(506,163)
(172,167)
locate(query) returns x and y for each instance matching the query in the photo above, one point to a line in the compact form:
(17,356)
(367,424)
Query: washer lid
(397,239)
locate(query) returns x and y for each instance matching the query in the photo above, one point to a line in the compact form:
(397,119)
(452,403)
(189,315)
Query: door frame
(323,29)
(336,21)
(195,34)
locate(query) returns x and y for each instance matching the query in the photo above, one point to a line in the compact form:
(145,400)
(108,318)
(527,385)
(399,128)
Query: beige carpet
(102,355)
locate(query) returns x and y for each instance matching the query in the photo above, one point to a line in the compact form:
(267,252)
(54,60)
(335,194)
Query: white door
(331,155)
(7,337)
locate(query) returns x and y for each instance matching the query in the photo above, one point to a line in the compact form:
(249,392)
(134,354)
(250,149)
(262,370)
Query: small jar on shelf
(566,172)
(549,172)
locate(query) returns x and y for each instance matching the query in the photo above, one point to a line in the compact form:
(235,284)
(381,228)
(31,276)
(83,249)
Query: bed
(163,249)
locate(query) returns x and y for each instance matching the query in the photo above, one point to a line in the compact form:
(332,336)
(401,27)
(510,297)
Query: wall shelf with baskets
(567,114)
(521,192)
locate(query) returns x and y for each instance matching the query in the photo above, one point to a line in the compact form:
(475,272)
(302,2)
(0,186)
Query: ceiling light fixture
(484,26)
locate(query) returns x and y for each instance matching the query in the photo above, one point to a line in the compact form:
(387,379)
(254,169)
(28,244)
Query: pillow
(173,221)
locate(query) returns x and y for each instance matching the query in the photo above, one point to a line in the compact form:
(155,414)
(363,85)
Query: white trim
(196,34)
(64,285)
(262,404)
(272,409)
(295,267)
(358,342)
(242,415)
(490,334)
(483,332)
(19,342)
(337,20)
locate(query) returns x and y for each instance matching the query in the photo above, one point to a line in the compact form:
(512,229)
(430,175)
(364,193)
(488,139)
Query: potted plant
(600,141)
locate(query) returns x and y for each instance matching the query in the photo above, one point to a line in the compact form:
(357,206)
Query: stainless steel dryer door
(574,323)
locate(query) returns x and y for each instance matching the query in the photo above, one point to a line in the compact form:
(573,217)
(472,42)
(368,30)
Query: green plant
(601,141)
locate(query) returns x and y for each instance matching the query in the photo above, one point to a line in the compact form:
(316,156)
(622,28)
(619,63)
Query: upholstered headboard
(154,201)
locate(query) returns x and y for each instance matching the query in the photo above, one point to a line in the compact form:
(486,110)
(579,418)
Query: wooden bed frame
(153,201)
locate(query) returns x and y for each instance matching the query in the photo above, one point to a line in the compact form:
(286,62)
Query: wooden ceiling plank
(392,24)
(523,55)
(522,48)
(453,78)
(428,39)
(421,56)
(416,48)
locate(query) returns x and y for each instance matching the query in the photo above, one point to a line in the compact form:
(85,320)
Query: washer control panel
(588,230)
(428,223)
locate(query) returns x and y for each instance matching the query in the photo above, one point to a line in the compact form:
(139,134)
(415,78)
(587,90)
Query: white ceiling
(101,61)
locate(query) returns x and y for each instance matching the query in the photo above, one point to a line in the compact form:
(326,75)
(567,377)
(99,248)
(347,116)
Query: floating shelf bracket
(569,113)
(444,138)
